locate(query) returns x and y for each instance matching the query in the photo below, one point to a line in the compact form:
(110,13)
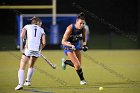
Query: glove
(85,48)
(73,47)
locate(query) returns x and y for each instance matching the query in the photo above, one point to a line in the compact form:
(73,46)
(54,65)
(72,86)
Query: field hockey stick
(72,49)
(48,61)
(69,48)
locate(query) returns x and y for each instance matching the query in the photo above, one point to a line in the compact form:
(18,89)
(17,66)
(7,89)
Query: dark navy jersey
(75,36)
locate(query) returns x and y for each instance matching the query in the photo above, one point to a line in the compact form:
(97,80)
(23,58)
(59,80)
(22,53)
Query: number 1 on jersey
(35,31)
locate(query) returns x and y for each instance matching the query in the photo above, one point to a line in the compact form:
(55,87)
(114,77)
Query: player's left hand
(85,48)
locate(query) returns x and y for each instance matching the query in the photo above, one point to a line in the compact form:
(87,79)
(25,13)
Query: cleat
(83,82)
(27,83)
(19,87)
(63,64)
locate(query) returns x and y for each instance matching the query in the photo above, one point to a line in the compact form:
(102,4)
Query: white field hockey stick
(48,61)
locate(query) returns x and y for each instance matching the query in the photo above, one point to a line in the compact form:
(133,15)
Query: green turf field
(118,71)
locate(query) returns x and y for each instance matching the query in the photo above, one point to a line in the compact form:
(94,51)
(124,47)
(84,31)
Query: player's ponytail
(81,16)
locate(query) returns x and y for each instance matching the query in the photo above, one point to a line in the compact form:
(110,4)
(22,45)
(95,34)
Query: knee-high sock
(68,62)
(21,76)
(80,74)
(30,73)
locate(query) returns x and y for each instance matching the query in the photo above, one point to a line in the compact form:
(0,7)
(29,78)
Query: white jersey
(34,34)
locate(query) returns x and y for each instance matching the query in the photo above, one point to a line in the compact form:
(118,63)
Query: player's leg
(69,62)
(72,56)
(78,54)
(79,71)
(66,62)
(30,70)
(23,63)
(74,59)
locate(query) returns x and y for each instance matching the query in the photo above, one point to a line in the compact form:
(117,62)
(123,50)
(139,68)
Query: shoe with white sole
(63,64)
(27,83)
(83,82)
(19,87)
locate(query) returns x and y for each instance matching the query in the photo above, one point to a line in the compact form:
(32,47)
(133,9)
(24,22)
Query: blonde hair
(36,20)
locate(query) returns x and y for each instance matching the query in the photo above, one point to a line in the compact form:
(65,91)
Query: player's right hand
(73,47)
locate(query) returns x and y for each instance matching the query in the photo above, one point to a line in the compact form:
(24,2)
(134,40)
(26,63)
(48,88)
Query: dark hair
(81,16)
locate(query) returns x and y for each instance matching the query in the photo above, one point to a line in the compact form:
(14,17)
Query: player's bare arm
(23,32)
(84,37)
(66,36)
(43,42)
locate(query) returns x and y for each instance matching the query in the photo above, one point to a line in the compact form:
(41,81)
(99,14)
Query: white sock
(21,76)
(30,73)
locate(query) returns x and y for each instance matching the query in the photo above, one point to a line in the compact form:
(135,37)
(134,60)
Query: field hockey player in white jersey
(35,42)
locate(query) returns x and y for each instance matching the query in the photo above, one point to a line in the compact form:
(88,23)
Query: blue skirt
(77,46)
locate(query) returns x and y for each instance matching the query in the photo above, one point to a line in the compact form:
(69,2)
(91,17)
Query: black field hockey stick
(49,62)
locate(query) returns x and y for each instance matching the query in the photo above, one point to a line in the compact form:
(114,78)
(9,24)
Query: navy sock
(68,62)
(80,74)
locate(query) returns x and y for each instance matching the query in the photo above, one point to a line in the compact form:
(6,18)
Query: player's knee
(21,68)
(31,65)
(77,66)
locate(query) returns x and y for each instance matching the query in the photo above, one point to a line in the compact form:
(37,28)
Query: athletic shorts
(77,46)
(29,53)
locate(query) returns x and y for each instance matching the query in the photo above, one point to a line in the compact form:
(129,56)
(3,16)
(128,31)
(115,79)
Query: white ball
(101,88)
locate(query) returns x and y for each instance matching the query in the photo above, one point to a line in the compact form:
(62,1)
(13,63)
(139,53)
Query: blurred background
(113,24)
